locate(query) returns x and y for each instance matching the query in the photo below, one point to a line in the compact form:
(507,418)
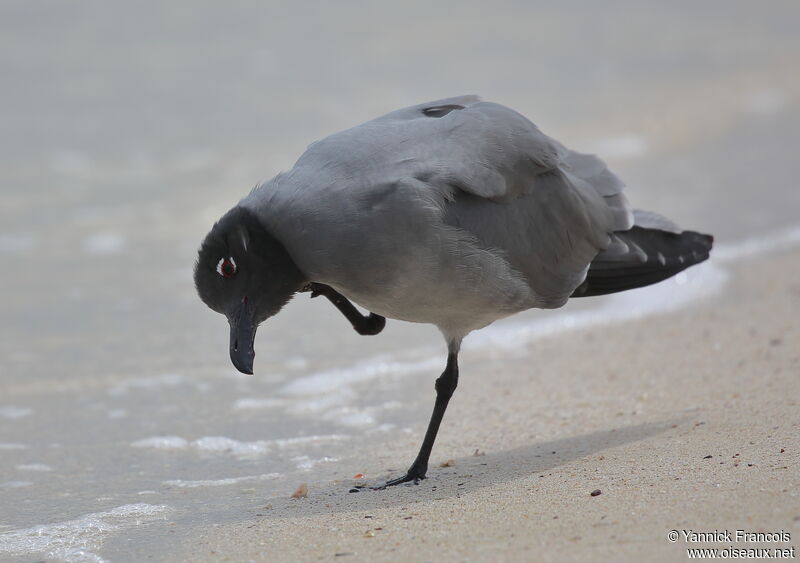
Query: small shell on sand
(301,492)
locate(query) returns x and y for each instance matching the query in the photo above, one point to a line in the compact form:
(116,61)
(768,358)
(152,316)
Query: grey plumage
(457,212)
(455,220)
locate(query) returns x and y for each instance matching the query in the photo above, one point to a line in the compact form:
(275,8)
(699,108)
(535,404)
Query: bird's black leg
(366,325)
(445,386)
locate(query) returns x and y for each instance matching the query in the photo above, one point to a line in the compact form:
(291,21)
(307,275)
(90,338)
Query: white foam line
(221,444)
(34,467)
(182,484)
(76,541)
(155,382)
(15,484)
(333,405)
(302,440)
(315,405)
(15,412)
(10,446)
(305,463)
(330,380)
(162,443)
(213,444)
(258,403)
(229,446)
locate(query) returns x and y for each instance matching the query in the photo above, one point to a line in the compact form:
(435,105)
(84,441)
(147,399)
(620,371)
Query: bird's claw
(407,478)
(370,325)
(314,289)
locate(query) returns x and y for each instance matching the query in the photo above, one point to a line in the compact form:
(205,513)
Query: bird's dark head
(244,273)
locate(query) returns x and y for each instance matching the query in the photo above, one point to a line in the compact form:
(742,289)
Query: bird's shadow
(465,475)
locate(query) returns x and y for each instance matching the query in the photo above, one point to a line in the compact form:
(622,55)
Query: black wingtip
(667,254)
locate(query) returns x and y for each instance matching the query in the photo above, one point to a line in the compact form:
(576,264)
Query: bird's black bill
(243,333)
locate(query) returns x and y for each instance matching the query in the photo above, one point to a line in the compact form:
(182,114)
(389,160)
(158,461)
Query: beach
(127,435)
(686,421)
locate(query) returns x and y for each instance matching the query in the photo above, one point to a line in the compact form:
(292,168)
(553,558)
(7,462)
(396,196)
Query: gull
(457,213)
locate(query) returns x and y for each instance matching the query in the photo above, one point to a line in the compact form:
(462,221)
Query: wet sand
(686,421)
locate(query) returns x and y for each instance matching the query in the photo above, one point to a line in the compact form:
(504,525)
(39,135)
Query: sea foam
(15,412)
(184,484)
(77,541)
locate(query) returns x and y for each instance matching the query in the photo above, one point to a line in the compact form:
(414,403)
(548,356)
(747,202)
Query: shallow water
(128,130)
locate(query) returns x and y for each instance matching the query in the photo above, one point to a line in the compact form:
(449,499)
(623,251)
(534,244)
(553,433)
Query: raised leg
(445,386)
(366,325)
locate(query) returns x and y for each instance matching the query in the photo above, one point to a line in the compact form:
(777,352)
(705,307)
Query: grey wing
(547,209)
(491,174)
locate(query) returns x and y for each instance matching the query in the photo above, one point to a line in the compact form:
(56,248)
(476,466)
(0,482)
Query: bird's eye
(226,267)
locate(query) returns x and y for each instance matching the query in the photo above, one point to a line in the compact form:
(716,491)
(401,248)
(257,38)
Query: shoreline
(635,412)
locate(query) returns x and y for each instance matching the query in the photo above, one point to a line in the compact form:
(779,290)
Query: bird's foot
(413,474)
(370,325)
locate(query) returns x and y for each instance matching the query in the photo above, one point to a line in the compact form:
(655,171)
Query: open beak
(243,333)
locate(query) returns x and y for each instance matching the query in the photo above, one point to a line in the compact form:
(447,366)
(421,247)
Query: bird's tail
(653,250)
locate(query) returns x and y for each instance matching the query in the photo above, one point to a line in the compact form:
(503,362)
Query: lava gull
(456,212)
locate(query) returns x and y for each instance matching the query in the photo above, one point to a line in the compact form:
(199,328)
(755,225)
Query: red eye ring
(226,267)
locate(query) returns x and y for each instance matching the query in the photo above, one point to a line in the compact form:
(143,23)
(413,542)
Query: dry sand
(684,421)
